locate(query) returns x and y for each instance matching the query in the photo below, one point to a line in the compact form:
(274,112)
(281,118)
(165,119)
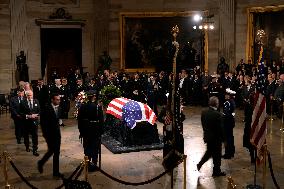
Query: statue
(104,61)
(222,67)
(22,68)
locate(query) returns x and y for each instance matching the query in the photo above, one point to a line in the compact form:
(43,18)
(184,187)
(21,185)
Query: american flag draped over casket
(131,111)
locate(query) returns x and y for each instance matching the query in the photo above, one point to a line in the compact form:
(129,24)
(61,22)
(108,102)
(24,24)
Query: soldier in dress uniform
(214,88)
(229,123)
(90,122)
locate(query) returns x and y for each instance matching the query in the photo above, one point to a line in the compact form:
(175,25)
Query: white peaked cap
(231,92)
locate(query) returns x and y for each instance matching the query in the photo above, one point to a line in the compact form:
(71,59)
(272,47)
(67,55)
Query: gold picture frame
(250,26)
(122,20)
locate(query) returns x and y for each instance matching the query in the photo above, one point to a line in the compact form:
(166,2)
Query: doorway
(61,50)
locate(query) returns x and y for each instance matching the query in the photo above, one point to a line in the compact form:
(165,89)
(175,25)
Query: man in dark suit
(30,109)
(15,114)
(49,121)
(212,124)
(41,92)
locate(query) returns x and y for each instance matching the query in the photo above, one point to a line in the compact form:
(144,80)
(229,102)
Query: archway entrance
(61,50)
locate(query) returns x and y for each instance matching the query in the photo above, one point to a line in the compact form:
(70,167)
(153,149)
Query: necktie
(56,110)
(31,104)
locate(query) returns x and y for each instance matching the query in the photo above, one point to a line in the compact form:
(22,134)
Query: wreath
(80,99)
(108,93)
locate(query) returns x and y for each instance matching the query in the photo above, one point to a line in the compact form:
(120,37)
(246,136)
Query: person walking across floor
(15,114)
(212,125)
(49,120)
(29,110)
(90,122)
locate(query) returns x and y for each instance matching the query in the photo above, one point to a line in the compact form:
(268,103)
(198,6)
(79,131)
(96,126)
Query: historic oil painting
(147,42)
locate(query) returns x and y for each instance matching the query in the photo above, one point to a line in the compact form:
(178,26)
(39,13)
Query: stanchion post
(86,165)
(264,167)
(172,179)
(282,117)
(100,153)
(5,159)
(271,111)
(184,171)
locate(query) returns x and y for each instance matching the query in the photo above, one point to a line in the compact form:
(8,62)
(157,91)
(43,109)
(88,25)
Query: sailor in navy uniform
(229,123)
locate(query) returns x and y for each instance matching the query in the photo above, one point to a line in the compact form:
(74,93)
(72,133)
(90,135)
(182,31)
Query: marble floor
(141,166)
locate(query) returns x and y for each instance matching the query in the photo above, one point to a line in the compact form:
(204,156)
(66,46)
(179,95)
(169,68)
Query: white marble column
(227,31)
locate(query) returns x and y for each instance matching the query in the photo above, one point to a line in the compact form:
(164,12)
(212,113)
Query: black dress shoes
(35,153)
(39,167)
(218,174)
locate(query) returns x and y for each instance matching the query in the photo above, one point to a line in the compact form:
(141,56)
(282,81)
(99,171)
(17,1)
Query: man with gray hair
(29,110)
(212,125)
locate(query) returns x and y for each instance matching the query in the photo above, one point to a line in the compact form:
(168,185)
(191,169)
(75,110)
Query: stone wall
(6,68)
(35,10)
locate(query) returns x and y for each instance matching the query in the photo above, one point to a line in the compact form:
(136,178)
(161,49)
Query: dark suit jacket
(41,94)
(50,122)
(25,110)
(15,107)
(212,124)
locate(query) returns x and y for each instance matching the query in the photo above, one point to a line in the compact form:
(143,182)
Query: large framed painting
(146,41)
(269,19)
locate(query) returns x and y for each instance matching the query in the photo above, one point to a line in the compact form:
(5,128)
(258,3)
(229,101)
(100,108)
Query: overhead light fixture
(205,27)
(194,27)
(197,18)
(211,27)
(200,27)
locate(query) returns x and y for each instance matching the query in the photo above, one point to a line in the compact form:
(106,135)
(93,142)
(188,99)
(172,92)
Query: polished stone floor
(140,166)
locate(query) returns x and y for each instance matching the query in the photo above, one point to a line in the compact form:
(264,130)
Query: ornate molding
(60,17)
(60,13)
(41,22)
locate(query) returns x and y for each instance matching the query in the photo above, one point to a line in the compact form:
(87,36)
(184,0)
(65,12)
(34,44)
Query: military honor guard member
(90,123)
(229,123)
